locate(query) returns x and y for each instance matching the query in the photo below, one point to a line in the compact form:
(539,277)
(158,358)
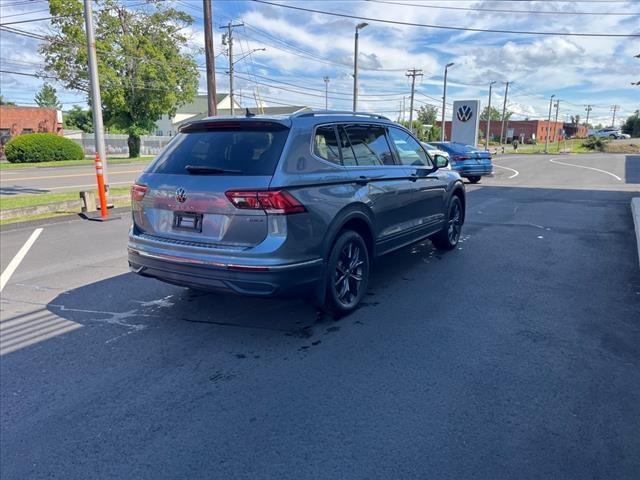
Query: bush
(42,147)
(595,143)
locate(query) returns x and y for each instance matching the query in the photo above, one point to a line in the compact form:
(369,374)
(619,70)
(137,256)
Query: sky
(301,48)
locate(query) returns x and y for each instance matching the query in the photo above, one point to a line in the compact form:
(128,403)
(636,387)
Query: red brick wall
(18,119)
(520,127)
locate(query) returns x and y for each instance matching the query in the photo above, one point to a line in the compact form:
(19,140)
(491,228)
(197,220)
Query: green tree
(47,97)
(495,114)
(632,125)
(144,72)
(79,119)
(6,103)
(427,115)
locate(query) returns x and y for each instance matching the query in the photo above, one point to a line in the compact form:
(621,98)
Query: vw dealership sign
(466,117)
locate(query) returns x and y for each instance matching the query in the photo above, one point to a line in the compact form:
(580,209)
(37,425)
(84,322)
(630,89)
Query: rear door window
(369,145)
(235,148)
(325,144)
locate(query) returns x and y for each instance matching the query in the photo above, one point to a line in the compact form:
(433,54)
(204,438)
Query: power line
(503,10)
(443,27)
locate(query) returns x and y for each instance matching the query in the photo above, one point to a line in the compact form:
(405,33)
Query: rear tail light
(277,201)
(138,192)
(459,158)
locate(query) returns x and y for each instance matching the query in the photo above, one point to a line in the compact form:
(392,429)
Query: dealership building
(527,131)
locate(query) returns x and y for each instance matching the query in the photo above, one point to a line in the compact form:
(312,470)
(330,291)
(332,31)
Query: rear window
(240,148)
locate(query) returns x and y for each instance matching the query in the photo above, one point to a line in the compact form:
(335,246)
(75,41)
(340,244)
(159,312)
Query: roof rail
(313,113)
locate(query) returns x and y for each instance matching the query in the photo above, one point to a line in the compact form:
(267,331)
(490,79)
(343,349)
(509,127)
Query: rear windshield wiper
(204,170)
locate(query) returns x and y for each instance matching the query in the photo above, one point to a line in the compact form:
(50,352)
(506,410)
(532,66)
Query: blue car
(470,162)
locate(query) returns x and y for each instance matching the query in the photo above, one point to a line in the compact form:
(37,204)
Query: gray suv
(289,205)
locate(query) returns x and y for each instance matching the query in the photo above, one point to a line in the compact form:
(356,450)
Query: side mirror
(441,162)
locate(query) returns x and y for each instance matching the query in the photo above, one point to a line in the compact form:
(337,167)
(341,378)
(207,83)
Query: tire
(347,274)
(612,137)
(473,179)
(448,237)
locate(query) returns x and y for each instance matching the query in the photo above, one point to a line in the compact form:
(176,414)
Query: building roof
(200,104)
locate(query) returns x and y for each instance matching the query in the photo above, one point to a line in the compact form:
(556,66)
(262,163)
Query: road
(515,356)
(60,179)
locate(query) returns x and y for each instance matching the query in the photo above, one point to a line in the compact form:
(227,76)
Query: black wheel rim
(455,223)
(349,274)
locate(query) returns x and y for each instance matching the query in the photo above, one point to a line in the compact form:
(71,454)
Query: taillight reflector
(278,201)
(138,192)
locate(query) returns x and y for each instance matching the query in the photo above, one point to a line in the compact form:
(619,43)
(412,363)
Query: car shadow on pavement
(632,168)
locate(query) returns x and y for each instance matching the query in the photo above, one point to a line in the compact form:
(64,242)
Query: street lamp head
(494,82)
(449,65)
(553,96)
(360,26)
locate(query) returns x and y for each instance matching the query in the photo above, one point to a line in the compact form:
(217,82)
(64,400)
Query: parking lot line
(15,262)
(507,168)
(588,168)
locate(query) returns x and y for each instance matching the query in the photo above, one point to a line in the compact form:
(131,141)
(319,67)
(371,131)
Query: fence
(117,144)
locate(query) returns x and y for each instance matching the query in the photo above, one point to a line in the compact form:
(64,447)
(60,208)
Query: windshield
(224,149)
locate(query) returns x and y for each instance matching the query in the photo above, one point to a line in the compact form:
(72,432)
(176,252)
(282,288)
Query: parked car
(470,162)
(433,151)
(289,205)
(609,132)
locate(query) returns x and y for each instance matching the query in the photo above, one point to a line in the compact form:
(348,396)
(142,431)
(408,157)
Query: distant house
(199,108)
(16,120)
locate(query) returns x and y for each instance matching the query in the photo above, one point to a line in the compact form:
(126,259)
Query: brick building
(18,120)
(526,131)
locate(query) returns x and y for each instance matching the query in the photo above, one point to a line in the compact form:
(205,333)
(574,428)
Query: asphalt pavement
(516,355)
(59,179)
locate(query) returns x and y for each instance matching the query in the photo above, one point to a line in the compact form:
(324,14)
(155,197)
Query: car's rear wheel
(347,274)
(448,237)
(473,179)
(612,137)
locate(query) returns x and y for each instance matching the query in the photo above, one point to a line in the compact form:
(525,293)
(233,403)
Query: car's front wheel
(448,237)
(347,274)
(612,137)
(473,179)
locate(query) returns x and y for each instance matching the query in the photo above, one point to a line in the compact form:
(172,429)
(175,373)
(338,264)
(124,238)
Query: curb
(635,211)
(70,206)
(72,217)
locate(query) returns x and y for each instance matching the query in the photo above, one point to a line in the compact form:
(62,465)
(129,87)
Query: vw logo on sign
(464,113)
(181,195)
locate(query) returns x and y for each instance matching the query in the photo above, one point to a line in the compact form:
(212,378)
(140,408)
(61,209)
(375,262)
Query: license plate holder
(191,222)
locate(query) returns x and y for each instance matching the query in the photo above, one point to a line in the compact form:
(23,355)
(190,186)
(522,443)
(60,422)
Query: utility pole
(587,109)
(229,42)
(614,109)
(504,113)
(444,99)
(413,73)
(209,58)
(546,141)
(96,100)
(486,139)
(555,125)
(359,27)
(326,92)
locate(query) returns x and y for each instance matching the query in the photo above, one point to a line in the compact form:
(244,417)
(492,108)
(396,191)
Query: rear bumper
(473,170)
(288,280)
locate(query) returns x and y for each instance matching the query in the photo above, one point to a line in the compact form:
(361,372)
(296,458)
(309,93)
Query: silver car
(294,205)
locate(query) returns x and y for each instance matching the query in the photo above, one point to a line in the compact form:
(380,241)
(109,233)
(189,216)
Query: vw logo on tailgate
(181,195)
(464,113)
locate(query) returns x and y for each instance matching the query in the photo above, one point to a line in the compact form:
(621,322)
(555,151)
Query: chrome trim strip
(193,261)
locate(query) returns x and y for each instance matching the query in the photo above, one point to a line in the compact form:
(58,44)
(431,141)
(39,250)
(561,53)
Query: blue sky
(303,47)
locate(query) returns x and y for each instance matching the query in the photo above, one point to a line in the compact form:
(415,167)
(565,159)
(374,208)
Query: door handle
(362,180)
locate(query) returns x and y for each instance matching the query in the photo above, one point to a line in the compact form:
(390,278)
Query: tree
(47,98)
(575,120)
(6,103)
(632,125)
(495,114)
(427,115)
(144,72)
(79,119)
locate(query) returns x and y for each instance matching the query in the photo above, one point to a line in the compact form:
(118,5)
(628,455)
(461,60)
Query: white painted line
(507,168)
(15,262)
(588,168)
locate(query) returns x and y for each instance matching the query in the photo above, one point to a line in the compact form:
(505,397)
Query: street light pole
(359,27)
(486,139)
(444,99)
(546,143)
(326,92)
(212,107)
(230,26)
